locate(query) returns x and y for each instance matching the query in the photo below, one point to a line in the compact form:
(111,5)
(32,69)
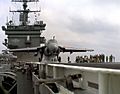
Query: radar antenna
(24,13)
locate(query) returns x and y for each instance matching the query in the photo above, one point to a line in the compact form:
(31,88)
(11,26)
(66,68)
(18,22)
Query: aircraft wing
(71,50)
(32,49)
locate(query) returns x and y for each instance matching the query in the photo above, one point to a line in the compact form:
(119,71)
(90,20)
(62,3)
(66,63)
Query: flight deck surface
(78,91)
(24,85)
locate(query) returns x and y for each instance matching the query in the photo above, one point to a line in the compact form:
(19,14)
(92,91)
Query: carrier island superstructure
(24,34)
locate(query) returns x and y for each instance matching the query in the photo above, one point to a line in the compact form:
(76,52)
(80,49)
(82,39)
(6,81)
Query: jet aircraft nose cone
(53,47)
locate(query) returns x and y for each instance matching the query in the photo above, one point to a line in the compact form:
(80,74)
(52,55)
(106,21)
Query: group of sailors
(95,59)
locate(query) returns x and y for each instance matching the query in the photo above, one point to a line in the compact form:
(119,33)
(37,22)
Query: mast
(24,13)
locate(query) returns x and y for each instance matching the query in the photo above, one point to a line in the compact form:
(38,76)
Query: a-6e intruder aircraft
(50,50)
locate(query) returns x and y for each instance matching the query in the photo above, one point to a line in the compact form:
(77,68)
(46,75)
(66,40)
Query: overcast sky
(78,23)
